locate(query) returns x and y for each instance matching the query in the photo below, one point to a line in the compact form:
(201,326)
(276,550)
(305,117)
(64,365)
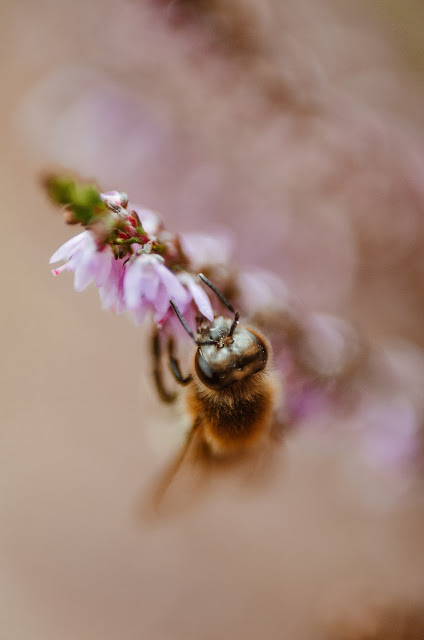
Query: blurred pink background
(298,127)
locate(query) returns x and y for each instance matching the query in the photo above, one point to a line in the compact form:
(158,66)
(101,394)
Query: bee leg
(175,366)
(172,470)
(164,394)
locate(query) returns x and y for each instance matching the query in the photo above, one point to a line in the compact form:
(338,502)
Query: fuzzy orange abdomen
(236,419)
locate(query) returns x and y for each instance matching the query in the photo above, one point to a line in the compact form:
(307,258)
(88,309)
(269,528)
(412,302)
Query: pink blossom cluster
(139,269)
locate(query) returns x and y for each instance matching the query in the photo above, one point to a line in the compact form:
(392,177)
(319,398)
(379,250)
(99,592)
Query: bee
(230,393)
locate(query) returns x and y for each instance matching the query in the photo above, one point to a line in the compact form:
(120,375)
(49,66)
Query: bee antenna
(235,323)
(187,328)
(224,302)
(183,322)
(218,293)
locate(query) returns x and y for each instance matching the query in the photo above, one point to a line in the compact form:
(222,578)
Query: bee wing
(194,472)
(182,480)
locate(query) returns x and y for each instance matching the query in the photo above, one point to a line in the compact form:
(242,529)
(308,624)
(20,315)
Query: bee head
(226,352)
(223,359)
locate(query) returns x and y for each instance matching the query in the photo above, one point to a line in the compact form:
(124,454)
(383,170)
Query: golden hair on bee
(230,394)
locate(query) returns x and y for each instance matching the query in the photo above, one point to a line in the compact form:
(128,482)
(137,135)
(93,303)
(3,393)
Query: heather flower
(149,285)
(116,198)
(86,259)
(329,347)
(261,289)
(205,250)
(197,301)
(135,262)
(152,224)
(389,431)
(68,249)
(112,291)
(197,294)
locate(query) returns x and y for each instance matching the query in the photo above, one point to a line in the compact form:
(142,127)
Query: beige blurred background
(299,126)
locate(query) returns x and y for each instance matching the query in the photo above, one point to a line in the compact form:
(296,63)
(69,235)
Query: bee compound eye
(211,376)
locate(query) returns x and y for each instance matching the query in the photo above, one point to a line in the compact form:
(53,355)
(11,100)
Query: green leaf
(82,199)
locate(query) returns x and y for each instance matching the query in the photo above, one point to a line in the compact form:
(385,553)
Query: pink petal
(205,248)
(132,292)
(141,281)
(161,304)
(66,250)
(201,299)
(175,289)
(115,197)
(149,283)
(102,264)
(110,290)
(84,271)
(390,432)
(150,220)
(139,315)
